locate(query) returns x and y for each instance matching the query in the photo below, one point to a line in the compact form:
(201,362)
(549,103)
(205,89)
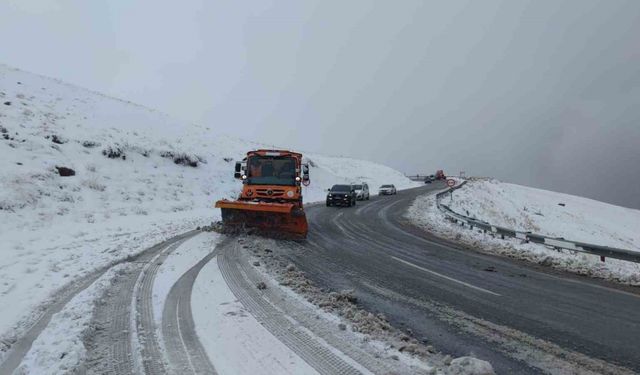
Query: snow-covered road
(191,305)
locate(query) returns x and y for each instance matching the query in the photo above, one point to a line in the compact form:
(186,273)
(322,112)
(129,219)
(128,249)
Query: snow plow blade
(280,220)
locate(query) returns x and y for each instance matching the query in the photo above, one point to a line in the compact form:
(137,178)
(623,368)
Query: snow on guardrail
(556,243)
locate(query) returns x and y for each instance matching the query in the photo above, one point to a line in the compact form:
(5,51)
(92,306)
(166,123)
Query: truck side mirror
(305,174)
(238,170)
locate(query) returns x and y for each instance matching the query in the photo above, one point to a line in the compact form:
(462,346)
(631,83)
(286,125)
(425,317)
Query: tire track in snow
(319,356)
(124,318)
(184,350)
(21,347)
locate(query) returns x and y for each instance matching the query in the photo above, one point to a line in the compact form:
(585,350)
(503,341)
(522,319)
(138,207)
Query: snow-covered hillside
(543,212)
(546,212)
(140,177)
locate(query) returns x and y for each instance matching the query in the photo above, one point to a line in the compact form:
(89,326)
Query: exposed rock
(65,172)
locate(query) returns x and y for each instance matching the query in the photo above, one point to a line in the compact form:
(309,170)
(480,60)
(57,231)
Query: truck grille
(270,192)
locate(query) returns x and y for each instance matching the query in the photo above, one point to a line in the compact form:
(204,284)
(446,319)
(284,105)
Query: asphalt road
(521,317)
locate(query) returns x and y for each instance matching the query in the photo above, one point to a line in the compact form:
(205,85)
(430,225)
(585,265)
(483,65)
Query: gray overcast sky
(542,93)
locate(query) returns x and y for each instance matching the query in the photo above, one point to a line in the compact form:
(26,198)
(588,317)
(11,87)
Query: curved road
(521,317)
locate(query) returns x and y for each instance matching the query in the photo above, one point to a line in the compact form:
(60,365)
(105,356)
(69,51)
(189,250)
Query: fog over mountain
(542,93)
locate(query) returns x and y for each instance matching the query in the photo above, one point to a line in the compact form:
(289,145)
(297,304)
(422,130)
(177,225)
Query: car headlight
(330,195)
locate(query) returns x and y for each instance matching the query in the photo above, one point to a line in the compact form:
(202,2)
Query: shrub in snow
(114,152)
(90,144)
(140,211)
(182,158)
(65,197)
(57,139)
(94,184)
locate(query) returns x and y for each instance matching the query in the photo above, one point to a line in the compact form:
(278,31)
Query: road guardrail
(557,243)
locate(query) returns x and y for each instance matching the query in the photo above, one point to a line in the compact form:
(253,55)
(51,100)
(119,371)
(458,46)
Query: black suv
(342,195)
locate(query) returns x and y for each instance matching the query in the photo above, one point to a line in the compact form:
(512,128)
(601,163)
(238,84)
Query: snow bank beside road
(528,209)
(549,213)
(138,178)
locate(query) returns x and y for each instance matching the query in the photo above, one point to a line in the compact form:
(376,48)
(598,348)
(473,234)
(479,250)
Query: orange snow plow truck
(271,197)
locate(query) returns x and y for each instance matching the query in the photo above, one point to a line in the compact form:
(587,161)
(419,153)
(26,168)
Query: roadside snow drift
(542,212)
(546,212)
(87,180)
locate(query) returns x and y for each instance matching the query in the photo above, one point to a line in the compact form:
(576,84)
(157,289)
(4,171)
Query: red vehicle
(440,175)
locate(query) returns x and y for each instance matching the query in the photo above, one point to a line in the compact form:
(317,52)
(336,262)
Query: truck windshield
(271,170)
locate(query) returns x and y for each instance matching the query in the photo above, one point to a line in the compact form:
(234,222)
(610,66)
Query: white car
(362,191)
(387,190)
